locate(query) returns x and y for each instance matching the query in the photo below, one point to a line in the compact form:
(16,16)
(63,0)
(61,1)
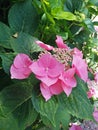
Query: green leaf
(89,25)
(47,109)
(82,37)
(25,115)
(94,2)
(73,5)
(13,96)
(8,123)
(25,43)
(7,59)
(23,17)
(5,36)
(59,14)
(77,103)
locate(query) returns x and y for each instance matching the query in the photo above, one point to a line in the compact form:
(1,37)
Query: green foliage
(25,115)
(23,17)
(21,107)
(13,96)
(47,109)
(25,43)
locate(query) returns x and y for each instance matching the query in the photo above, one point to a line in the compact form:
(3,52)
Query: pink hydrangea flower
(44,46)
(95,114)
(93,89)
(91,92)
(96,77)
(47,69)
(68,81)
(80,67)
(48,91)
(20,67)
(75,127)
(60,43)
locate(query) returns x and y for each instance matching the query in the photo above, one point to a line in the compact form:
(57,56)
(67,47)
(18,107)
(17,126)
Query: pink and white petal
(47,80)
(56,88)
(44,46)
(37,70)
(60,43)
(45,91)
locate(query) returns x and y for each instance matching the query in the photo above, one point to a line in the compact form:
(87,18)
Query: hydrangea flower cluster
(55,68)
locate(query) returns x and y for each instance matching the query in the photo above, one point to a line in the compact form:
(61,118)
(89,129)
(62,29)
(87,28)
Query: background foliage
(21,23)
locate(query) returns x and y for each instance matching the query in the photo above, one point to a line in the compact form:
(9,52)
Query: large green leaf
(47,109)
(25,115)
(7,59)
(62,118)
(8,123)
(25,43)
(23,17)
(13,96)
(5,36)
(77,103)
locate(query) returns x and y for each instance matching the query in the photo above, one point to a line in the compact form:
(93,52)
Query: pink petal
(77,52)
(68,81)
(56,70)
(45,91)
(44,46)
(22,60)
(53,67)
(60,43)
(36,69)
(67,89)
(68,78)
(75,127)
(20,68)
(95,114)
(56,88)
(81,67)
(21,73)
(47,61)
(47,80)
